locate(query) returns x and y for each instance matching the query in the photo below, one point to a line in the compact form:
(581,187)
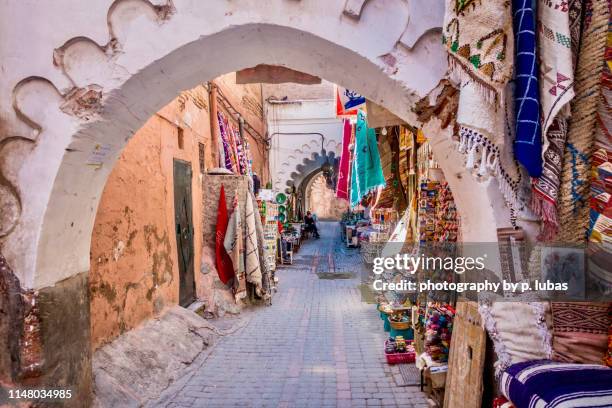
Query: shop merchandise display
(438,331)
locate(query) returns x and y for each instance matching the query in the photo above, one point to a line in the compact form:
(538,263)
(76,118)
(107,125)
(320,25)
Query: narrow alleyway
(318,345)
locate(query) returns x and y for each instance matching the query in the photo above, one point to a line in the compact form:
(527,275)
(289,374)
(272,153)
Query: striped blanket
(550,384)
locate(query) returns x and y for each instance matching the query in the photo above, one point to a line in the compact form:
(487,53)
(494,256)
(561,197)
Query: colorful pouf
(438,331)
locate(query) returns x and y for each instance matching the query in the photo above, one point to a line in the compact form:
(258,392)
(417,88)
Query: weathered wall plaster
(134,261)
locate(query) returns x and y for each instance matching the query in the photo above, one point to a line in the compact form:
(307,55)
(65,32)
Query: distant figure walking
(311,224)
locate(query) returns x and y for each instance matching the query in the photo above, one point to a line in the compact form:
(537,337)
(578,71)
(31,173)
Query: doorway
(183,219)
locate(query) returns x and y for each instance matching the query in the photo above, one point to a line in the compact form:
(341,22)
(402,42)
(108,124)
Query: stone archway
(322,201)
(94,72)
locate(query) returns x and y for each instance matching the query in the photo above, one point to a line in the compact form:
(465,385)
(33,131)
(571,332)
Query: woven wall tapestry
(601,186)
(528,135)
(478,38)
(558,40)
(573,206)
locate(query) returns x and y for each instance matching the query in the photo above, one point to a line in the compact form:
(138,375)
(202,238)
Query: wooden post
(214,125)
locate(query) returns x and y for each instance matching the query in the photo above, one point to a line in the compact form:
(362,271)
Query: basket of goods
(399,351)
(385,309)
(400,321)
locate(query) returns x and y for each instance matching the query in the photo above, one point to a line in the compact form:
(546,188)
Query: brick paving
(318,345)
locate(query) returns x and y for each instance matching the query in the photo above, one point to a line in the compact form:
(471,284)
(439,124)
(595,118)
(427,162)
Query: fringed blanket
(367,173)
(252,260)
(483,138)
(345,160)
(601,186)
(549,384)
(558,38)
(224,265)
(233,246)
(528,135)
(575,178)
(478,37)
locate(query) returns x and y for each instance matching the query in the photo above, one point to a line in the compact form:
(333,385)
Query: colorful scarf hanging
(225,268)
(233,246)
(558,38)
(343,172)
(528,134)
(252,260)
(367,172)
(223,132)
(573,207)
(478,37)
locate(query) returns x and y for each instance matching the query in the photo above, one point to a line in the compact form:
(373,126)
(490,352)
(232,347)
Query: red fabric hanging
(225,268)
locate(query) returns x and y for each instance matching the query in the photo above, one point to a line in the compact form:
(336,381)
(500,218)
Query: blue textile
(528,139)
(551,384)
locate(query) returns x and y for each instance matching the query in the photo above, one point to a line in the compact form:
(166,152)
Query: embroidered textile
(367,173)
(558,34)
(478,37)
(580,331)
(546,187)
(550,384)
(343,168)
(520,330)
(557,22)
(601,185)
(573,207)
(528,139)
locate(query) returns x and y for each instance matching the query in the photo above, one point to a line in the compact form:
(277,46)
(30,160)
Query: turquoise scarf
(366,171)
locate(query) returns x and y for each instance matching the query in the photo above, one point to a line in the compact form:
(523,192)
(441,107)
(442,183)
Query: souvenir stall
(350,222)
(268,212)
(429,216)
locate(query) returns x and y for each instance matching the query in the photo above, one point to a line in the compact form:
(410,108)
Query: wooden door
(183,218)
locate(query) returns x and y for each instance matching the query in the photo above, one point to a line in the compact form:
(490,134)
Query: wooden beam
(274,74)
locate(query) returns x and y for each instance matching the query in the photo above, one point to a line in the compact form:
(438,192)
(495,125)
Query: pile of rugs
(551,353)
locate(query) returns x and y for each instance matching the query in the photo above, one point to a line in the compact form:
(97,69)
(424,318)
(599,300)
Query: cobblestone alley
(318,345)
